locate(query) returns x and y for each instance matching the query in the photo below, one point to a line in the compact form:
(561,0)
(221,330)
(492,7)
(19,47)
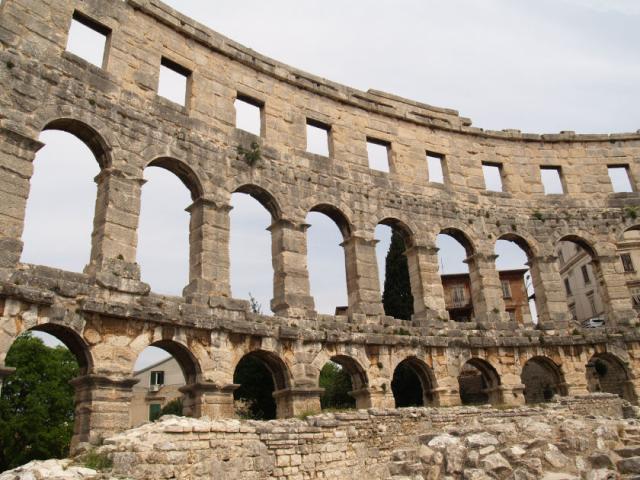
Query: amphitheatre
(106,315)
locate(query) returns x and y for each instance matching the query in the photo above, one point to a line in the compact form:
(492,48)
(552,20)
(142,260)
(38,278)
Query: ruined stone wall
(377,444)
(107,316)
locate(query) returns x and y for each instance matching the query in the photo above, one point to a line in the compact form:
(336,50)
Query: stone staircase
(629,463)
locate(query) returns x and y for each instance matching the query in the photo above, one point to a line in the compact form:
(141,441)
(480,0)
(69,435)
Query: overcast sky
(538,66)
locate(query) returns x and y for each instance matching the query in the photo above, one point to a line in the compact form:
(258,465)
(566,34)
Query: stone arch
(184,172)
(72,340)
(83,385)
(527,245)
(407,233)
(543,379)
(358,377)
(337,215)
(264,197)
(90,136)
(461,237)
(189,364)
(607,373)
(280,378)
(479,383)
(413,383)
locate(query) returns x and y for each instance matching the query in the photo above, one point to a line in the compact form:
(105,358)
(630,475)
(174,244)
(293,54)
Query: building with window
(579,276)
(457,292)
(629,251)
(158,385)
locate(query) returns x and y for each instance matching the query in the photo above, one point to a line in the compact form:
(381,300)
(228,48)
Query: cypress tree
(397,298)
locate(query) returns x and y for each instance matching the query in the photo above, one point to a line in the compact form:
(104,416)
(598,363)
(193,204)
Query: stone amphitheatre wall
(107,316)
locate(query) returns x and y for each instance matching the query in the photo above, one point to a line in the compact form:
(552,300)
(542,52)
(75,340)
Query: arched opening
(163,245)
(163,369)
(454,248)
(254,210)
(345,384)
(413,384)
(542,380)
(62,198)
(629,253)
(607,373)
(513,255)
(394,239)
(259,375)
(327,268)
(581,281)
(38,405)
(479,383)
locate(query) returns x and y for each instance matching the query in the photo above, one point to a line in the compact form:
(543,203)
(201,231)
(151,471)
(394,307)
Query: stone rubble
(551,442)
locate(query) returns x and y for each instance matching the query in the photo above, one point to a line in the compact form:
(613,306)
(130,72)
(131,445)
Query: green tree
(337,385)
(397,298)
(36,405)
(256,388)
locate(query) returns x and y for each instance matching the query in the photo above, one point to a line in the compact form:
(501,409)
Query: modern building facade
(159,385)
(459,303)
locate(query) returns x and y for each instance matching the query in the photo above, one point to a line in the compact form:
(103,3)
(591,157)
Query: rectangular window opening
(458,295)
(174,82)
(318,138)
(506,289)
(154,411)
(627,262)
(492,176)
(378,154)
(567,286)
(620,178)
(585,275)
(435,167)
(157,377)
(249,114)
(551,180)
(88,39)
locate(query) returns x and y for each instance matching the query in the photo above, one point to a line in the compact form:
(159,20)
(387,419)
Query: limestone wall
(377,444)
(107,316)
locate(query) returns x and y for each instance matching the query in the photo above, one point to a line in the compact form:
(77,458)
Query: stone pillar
(613,290)
(510,395)
(102,408)
(551,299)
(446,397)
(4,373)
(381,398)
(363,284)
(426,285)
(115,230)
(291,292)
(294,401)
(208,250)
(486,290)
(17,152)
(205,399)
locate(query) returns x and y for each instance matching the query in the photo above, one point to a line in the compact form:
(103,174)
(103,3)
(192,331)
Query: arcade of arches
(107,315)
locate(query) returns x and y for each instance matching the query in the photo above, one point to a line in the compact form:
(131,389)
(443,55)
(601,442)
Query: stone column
(115,225)
(381,398)
(291,292)
(17,152)
(208,250)
(510,395)
(551,299)
(294,401)
(102,408)
(204,399)
(613,290)
(446,397)
(486,290)
(363,284)
(426,285)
